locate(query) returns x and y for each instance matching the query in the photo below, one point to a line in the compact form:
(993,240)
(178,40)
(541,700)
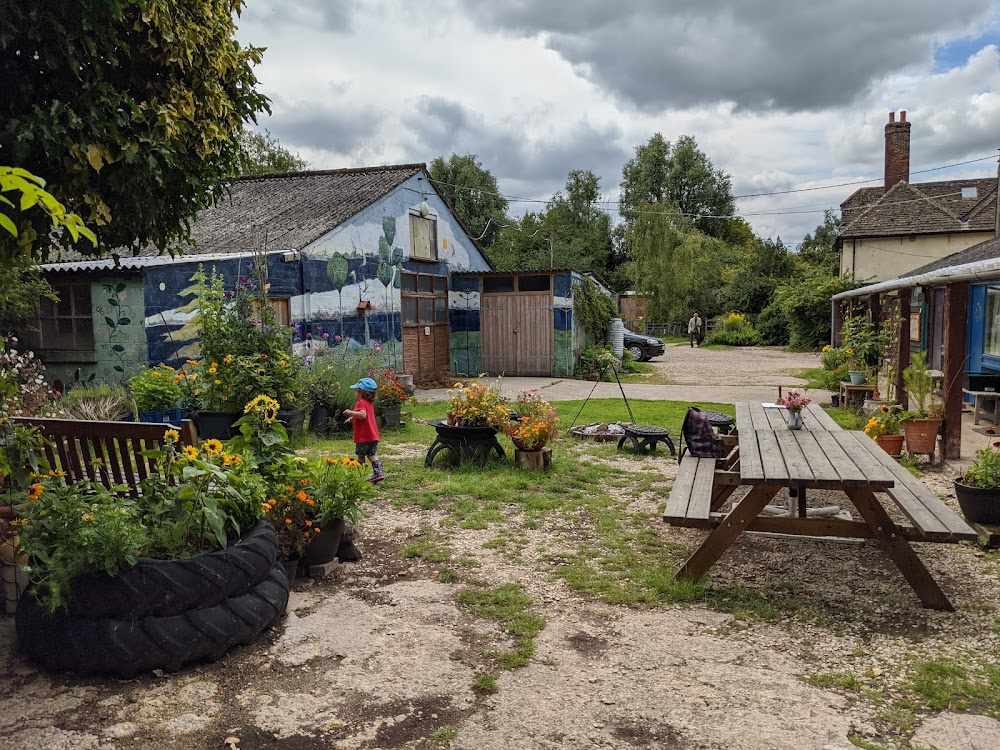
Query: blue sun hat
(366,384)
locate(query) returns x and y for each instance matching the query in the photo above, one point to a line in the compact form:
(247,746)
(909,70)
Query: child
(362,418)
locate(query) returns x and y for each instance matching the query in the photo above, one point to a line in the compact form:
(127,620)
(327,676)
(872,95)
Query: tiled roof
(983,251)
(926,208)
(292,209)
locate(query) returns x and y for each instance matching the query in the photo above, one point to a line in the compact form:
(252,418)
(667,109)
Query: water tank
(616,337)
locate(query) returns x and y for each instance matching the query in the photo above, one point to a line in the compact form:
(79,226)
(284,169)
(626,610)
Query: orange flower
(301,496)
(36,491)
(288,521)
(309,523)
(316,530)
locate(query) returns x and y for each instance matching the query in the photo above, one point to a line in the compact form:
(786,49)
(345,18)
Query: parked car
(643,347)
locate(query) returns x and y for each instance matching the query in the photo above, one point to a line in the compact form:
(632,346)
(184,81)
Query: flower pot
(978,504)
(891,444)
(794,420)
(857,376)
(319,419)
(171,416)
(835,400)
(217,424)
(921,434)
(323,546)
(391,413)
(291,569)
(293,420)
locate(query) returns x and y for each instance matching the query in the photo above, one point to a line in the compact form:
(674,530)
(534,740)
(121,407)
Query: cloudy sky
(781,94)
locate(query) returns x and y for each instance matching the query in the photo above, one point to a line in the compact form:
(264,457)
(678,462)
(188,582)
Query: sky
(785,96)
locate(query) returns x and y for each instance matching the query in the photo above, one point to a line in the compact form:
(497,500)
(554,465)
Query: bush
(156,389)
(332,372)
(596,359)
(735,330)
(107,403)
(806,304)
(772,326)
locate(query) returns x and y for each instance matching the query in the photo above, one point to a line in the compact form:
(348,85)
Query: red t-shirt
(365,429)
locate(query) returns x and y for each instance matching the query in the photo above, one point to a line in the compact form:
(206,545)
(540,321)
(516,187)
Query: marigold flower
(288,521)
(227,359)
(301,496)
(328,461)
(309,523)
(316,530)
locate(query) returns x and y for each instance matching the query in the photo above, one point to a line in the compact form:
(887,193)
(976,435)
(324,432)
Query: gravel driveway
(382,655)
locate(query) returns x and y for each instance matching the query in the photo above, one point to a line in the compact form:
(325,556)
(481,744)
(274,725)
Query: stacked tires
(160,614)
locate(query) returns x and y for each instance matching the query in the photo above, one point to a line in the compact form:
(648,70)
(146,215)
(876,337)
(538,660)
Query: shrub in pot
(922,423)
(884,428)
(156,393)
(978,489)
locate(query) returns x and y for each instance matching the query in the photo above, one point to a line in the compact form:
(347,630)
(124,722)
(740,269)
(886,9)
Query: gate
(517,333)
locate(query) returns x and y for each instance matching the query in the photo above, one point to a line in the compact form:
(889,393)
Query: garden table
(822,456)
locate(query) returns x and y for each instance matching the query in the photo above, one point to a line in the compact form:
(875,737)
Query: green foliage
(340,488)
(523,245)
(681,176)
(765,265)
(985,470)
(806,304)
(736,330)
(597,358)
(818,249)
(332,372)
(944,684)
(772,326)
(262,154)
(107,403)
(21,293)
(484,682)
(919,387)
(511,607)
(593,309)
(472,191)
(156,389)
(579,230)
(130,108)
(18,223)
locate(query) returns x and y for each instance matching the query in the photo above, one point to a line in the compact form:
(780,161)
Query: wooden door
(517,333)
(426,338)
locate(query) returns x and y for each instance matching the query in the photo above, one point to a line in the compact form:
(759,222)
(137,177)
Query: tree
(129,108)
(262,154)
(818,249)
(472,191)
(806,305)
(523,245)
(764,266)
(667,253)
(680,175)
(580,231)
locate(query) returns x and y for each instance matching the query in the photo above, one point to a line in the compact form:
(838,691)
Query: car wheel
(635,351)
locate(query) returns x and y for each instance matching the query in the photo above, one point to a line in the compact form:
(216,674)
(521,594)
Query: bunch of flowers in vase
(536,422)
(478,404)
(794,401)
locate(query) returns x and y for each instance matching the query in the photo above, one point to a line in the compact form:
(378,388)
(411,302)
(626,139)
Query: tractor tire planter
(128,647)
(161,588)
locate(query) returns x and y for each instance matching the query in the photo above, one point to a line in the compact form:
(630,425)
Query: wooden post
(903,353)
(875,310)
(956,313)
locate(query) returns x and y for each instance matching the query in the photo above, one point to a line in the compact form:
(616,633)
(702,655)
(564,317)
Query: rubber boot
(378,474)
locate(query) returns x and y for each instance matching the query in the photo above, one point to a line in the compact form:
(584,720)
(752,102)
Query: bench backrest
(74,444)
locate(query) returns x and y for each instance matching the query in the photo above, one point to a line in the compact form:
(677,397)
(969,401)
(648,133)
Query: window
(970,192)
(66,325)
(424,298)
(423,238)
(498,284)
(992,345)
(533,283)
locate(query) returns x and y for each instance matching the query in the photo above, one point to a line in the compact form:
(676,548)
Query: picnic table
(769,457)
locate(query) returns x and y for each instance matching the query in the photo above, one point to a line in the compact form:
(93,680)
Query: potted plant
(884,428)
(339,488)
(120,586)
(535,423)
(478,405)
(922,423)
(864,345)
(390,397)
(156,394)
(978,488)
(794,401)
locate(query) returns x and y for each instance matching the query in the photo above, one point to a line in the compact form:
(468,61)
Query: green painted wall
(119,337)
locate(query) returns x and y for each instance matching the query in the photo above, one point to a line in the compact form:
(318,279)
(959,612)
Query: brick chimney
(897,150)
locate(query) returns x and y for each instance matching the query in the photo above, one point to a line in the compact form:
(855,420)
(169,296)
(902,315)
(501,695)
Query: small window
(426,309)
(498,284)
(534,283)
(440,285)
(423,238)
(408,282)
(970,192)
(66,325)
(425,284)
(409,309)
(440,310)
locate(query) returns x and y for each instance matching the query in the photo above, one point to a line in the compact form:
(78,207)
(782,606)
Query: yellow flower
(190,452)
(213,446)
(36,491)
(171,436)
(217,382)
(329,461)
(227,359)
(266,406)
(237,460)
(227,459)
(885,409)
(88,518)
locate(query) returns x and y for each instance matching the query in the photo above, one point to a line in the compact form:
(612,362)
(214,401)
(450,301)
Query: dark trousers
(693,337)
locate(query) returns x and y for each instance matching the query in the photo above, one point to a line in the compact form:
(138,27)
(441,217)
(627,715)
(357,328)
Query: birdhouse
(363,306)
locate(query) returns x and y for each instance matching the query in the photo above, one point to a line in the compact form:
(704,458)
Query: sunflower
(190,452)
(36,491)
(213,446)
(171,436)
(885,409)
(266,406)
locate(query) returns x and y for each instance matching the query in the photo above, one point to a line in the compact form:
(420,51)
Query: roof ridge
(935,203)
(984,202)
(328,172)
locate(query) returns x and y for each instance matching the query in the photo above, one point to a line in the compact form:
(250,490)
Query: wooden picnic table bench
(770,457)
(75,444)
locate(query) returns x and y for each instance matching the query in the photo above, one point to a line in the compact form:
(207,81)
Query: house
(900,226)
(373,254)
(950,309)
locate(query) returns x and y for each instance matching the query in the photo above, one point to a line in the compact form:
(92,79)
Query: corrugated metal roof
(136,264)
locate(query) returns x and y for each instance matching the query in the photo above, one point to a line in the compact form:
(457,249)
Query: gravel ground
(380,655)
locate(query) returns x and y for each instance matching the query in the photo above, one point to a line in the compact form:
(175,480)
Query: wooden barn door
(424,302)
(517,333)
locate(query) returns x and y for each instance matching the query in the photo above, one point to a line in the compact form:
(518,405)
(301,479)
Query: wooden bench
(979,397)
(690,500)
(75,444)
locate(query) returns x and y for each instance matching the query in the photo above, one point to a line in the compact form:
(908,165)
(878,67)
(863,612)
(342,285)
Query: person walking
(694,329)
(366,435)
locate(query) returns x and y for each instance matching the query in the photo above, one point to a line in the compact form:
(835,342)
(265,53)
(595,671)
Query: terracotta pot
(921,434)
(891,444)
(978,505)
